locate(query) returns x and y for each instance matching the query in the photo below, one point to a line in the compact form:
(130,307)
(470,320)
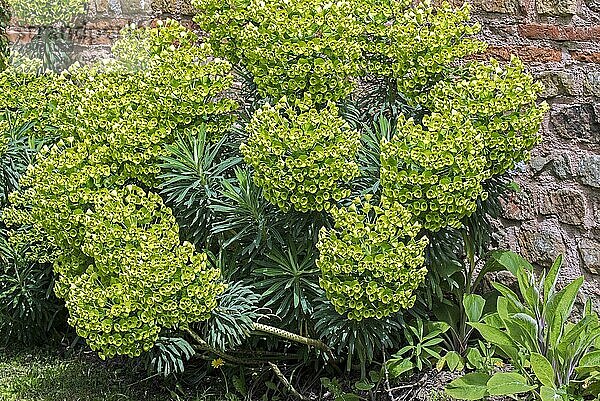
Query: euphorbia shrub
(454,123)
(45,13)
(120,265)
(464,122)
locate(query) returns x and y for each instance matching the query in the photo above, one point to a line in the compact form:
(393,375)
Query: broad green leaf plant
(556,356)
(425,345)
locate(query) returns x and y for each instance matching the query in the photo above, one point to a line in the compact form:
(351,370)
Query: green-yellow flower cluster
(302,157)
(416,44)
(25,97)
(121,268)
(480,125)
(292,48)
(371,261)
(436,174)
(139,48)
(46,13)
(500,102)
(119,262)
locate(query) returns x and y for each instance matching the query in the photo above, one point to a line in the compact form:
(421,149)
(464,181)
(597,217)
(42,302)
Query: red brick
(21,36)
(529,54)
(93,40)
(560,33)
(588,57)
(113,24)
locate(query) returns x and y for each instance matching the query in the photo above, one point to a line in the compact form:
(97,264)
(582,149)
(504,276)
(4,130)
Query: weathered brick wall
(558,210)
(93,34)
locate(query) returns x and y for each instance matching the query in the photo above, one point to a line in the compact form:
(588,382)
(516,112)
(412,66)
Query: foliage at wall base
(121,267)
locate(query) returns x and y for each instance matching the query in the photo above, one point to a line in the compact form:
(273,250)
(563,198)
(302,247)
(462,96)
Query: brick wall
(558,209)
(93,34)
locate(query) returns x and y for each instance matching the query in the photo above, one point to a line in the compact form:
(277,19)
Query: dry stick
(291,336)
(411,386)
(422,380)
(143,380)
(286,382)
(265,354)
(387,379)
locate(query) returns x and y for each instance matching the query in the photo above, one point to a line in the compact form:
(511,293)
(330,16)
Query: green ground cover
(44,375)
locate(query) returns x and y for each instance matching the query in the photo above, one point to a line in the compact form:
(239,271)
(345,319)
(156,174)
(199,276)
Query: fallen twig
(387,380)
(286,382)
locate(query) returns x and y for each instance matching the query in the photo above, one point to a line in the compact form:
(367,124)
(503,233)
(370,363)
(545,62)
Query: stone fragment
(557,7)
(131,7)
(556,83)
(541,243)
(561,166)
(20,35)
(101,6)
(175,7)
(518,205)
(538,163)
(498,6)
(115,7)
(567,204)
(592,83)
(574,122)
(593,5)
(589,250)
(585,56)
(595,211)
(528,54)
(558,32)
(589,170)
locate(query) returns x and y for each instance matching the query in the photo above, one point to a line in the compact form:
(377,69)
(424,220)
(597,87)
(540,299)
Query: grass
(51,374)
(43,375)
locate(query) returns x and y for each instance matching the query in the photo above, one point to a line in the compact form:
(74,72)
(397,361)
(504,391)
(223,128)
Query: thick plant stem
(291,336)
(204,346)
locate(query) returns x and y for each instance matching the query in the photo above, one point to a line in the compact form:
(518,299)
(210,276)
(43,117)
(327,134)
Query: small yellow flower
(217,363)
